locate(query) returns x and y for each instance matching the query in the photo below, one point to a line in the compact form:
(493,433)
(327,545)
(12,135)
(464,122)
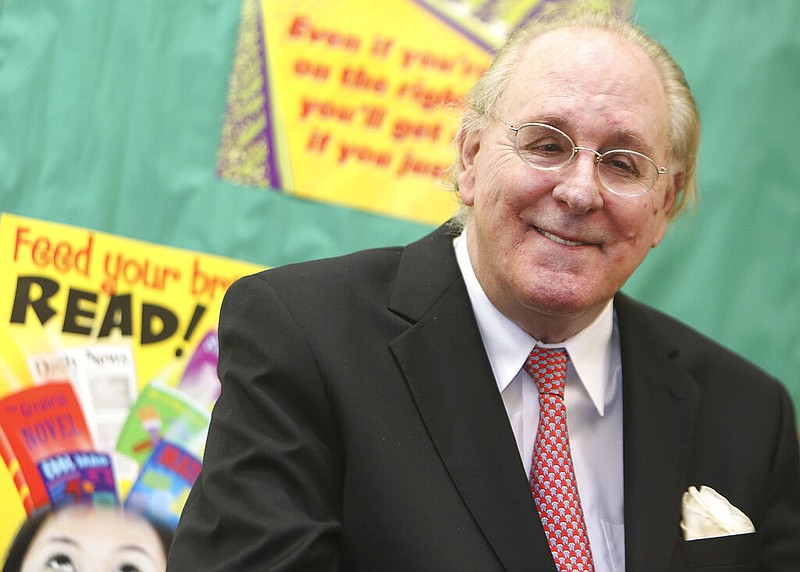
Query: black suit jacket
(359,428)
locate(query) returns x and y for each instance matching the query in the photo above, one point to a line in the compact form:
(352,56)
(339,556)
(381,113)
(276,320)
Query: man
(380,411)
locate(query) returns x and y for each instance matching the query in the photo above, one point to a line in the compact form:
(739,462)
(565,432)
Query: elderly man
(485,399)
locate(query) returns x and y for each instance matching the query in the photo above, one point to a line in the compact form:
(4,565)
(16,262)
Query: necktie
(553,484)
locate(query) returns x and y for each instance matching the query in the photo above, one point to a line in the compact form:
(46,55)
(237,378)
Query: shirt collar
(508,346)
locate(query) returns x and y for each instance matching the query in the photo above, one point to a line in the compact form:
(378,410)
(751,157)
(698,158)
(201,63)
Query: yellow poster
(73,299)
(357,106)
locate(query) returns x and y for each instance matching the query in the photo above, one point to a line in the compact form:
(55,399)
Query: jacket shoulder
(692,351)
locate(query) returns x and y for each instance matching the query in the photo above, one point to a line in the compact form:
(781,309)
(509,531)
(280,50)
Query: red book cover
(12,463)
(36,423)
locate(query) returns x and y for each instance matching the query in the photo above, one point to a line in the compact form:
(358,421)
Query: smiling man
(551,246)
(485,399)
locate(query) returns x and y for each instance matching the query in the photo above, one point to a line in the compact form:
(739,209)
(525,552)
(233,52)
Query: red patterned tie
(553,484)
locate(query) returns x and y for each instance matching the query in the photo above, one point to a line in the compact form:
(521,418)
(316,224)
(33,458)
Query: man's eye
(60,563)
(547,148)
(126,567)
(544,146)
(622,164)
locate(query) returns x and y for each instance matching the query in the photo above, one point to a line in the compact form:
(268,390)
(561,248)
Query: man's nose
(579,184)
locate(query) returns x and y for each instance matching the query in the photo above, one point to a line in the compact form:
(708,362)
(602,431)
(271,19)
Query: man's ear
(678,180)
(670,196)
(468,142)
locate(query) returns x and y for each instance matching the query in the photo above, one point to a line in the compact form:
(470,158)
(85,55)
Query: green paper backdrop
(110,117)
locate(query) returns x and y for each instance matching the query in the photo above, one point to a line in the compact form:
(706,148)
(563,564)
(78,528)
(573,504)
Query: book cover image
(79,477)
(38,422)
(199,379)
(163,412)
(163,484)
(104,378)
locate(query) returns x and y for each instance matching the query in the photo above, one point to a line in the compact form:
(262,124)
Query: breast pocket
(740,552)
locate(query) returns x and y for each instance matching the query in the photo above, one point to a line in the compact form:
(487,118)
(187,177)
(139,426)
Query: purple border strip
(440,16)
(532,15)
(272,174)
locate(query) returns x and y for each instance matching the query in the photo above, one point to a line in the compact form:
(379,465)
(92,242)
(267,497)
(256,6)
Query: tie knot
(548,368)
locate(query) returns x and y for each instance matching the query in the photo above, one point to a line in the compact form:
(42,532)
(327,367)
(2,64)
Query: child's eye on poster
(84,538)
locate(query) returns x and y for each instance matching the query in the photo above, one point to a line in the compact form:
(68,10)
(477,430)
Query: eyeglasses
(623,172)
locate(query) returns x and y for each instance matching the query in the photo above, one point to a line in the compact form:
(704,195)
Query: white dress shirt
(594,409)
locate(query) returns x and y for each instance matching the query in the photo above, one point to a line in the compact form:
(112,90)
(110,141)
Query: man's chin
(564,303)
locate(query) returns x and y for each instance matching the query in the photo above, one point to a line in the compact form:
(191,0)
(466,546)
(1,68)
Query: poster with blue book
(163,484)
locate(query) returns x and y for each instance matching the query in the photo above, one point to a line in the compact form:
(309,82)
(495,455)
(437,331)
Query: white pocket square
(707,514)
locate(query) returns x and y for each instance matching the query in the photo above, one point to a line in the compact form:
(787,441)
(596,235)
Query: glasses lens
(627,172)
(543,147)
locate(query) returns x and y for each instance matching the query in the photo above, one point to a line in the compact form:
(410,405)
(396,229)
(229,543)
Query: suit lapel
(659,405)
(445,365)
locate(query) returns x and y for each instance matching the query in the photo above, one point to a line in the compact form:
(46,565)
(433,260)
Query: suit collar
(444,363)
(427,268)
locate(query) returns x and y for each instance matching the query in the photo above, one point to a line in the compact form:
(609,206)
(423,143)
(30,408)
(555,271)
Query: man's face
(550,248)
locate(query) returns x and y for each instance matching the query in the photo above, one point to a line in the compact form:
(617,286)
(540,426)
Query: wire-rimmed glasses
(621,171)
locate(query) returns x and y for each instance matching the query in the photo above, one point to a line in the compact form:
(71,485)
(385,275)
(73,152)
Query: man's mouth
(558,239)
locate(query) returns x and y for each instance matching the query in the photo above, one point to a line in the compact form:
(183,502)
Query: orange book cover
(36,423)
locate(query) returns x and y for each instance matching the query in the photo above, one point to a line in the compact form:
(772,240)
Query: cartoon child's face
(83,539)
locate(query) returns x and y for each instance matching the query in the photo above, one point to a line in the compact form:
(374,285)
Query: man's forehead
(589,70)
(563,48)
(576,36)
